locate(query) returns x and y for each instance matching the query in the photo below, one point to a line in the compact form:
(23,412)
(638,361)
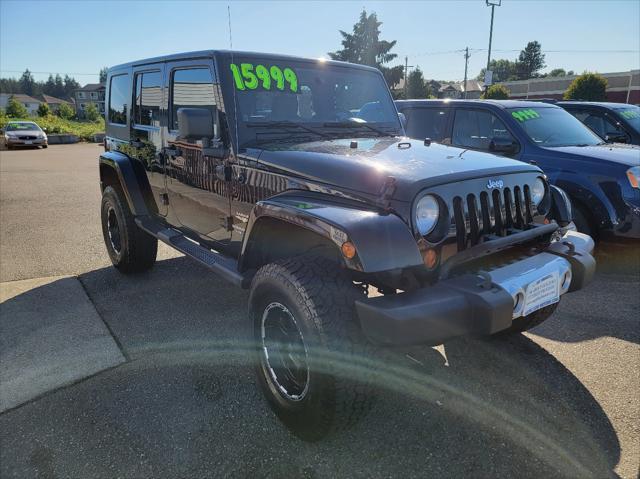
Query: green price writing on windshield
(246,76)
(630,114)
(524,115)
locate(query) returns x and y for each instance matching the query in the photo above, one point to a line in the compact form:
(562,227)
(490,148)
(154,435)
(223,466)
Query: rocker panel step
(224,266)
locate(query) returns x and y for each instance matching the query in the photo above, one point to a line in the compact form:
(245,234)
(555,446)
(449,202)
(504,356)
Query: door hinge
(164,198)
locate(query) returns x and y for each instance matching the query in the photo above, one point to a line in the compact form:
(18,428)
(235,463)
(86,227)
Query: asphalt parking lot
(561,401)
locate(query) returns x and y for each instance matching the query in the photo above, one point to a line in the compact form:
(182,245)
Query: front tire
(308,346)
(130,249)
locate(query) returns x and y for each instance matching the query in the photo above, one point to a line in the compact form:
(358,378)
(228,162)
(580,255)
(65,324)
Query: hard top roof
(229,53)
(503,104)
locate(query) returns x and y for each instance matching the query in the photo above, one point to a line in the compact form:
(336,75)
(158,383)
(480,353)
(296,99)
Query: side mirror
(616,137)
(503,145)
(196,123)
(403,119)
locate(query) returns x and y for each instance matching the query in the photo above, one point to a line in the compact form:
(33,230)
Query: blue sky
(79,37)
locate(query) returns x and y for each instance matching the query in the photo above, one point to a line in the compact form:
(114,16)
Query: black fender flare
(134,183)
(383,241)
(561,209)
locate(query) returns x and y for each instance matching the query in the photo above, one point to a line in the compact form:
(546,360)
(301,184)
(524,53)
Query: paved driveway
(559,402)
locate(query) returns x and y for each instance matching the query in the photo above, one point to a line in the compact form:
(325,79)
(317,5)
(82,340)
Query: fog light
(348,250)
(430,258)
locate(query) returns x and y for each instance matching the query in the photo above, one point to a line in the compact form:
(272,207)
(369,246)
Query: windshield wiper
(285,124)
(355,124)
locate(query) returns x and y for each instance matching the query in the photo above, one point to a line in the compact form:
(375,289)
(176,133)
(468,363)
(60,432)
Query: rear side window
(148,98)
(476,128)
(191,88)
(427,123)
(118,95)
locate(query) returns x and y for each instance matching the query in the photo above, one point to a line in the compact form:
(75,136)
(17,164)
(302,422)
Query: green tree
(103,74)
(558,72)
(496,92)
(59,89)
(503,70)
(49,88)
(15,109)
(416,86)
(27,83)
(588,87)
(91,112)
(65,111)
(70,86)
(530,61)
(364,47)
(43,109)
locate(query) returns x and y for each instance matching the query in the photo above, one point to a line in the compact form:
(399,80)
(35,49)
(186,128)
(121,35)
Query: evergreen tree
(416,86)
(59,89)
(49,87)
(530,61)
(364,47)
(27,83)
(103,75)
(70,86)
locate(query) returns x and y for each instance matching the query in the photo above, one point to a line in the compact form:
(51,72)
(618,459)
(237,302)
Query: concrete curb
(50,336)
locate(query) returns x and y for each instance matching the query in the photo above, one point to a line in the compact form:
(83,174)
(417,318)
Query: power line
(50,73)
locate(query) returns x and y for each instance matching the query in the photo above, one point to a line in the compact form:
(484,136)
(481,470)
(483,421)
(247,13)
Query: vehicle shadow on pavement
(186,404)
(608,307)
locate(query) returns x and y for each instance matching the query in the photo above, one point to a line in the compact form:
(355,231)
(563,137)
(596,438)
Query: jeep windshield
(295,101)
(553,127)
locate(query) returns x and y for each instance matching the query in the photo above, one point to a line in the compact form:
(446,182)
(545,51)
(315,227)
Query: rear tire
(308,346)
(530,321)
(130,249)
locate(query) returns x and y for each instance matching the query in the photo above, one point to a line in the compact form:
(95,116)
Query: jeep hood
(622,154)
(366,168)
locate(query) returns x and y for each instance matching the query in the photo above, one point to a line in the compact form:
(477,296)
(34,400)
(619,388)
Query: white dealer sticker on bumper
(541,293)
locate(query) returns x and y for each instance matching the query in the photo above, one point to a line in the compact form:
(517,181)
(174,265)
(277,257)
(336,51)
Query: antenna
(235,94)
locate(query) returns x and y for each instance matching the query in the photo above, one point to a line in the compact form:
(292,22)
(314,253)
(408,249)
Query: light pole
(493,4)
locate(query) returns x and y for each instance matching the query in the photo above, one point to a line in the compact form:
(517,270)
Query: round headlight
(427,213)
(537,191)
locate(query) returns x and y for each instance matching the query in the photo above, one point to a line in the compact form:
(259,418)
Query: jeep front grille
(496,212)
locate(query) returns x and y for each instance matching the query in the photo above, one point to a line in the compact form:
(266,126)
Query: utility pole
(466,64)
(406,75)
(493,4)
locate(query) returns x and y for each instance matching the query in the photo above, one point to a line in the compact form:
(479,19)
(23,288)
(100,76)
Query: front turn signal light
(430,258)
(634,176)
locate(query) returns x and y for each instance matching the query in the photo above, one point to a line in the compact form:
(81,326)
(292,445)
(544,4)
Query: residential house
(90,93)
(30,103)
(54,103)
(456,90)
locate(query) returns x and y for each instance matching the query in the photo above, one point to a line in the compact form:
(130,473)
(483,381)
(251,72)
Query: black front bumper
(463,305)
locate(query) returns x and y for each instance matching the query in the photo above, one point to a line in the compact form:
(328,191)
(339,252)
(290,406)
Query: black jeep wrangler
(292,178)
